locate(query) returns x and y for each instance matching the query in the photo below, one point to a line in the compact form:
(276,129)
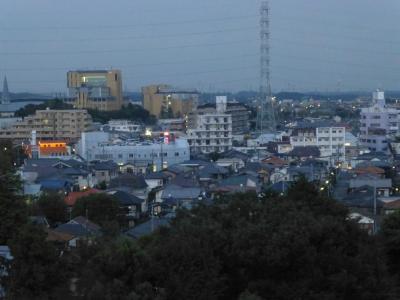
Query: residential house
(133,184)
(104,171)
(304,152)
(72,197)
(148,227)
(234,163)
(176,196)
(238,184)
(132,207)
(365,223)
(34,171)
(381,185)
(156,180)
(81,229)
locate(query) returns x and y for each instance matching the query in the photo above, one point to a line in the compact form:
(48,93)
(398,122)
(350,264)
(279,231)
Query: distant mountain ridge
(26,96)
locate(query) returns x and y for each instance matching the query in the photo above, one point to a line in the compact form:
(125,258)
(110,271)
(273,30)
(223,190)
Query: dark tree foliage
(101,209)
(37,270)
(301,246)
(13,212)
(30,109)
(214,156)
(130,112)
(390,233)
(117,271)
(53,207)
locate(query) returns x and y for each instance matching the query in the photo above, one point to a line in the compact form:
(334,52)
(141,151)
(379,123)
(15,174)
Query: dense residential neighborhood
(199,150)
(123,182)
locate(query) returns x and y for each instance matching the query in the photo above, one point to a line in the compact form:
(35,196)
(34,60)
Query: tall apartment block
(238,112)
(100,89)
(49,124)
(378,122)
(166,102)
(210,131)
(330,138)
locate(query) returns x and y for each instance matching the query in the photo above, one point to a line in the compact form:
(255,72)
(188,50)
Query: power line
(129,37)
(99,26)
(123,50)
(163,75)
(156,64)
(329,47)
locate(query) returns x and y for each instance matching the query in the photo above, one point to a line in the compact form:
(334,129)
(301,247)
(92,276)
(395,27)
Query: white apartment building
(329,139)
(211,131)
(154,154)
(377,123)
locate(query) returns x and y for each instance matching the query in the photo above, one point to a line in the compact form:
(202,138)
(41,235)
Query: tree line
(130,112)
(244,246)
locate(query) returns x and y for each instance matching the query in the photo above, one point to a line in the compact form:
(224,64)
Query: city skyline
(208,45)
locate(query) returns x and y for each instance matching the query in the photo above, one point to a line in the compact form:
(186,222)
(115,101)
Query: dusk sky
(211,45)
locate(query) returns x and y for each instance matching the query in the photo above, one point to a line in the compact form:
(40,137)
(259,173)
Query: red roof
(273,160)
(72,197)
(369,170)
(392,204)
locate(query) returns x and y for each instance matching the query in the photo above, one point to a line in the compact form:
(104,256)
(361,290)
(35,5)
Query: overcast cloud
(212,45)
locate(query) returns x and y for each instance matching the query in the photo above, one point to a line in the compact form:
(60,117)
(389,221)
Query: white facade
(211,131)
(329,140)
(123,126)
(158,155)
(377,123)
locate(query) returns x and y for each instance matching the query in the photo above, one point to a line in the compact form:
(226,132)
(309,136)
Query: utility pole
(374,207)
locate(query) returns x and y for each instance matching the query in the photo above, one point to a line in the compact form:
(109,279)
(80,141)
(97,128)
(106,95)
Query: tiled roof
(369,170)
(72,197)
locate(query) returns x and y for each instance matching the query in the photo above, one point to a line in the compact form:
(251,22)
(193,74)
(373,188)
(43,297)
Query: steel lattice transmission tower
(266,121)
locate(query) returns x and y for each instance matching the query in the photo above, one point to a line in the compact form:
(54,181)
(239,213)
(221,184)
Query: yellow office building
(100,89)
(165,102)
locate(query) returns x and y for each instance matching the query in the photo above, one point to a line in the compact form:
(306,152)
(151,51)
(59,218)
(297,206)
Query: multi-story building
(238,111)
(99,89)
(165,102)
(122,126)
(210,131)
(172,125)
(378,122)
(50,125)
(154,155)
(330,138)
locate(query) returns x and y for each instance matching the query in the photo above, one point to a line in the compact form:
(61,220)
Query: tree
(31,109)
(390,233)
(13,212)
(130,112)
(214,156)
(53,207)
(36,271)
(102,185)
(299,246)
(118,271)
(100,208)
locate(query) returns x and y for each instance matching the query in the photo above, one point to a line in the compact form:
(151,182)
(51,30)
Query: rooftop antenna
(265,111)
